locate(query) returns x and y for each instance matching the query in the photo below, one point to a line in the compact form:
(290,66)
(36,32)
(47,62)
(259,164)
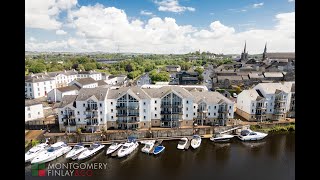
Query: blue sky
(159,26)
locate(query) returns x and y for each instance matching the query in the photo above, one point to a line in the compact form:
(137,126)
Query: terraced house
(134,108)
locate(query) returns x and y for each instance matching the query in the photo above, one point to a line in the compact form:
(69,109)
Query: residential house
(38,85)
(63,78)
(33,110)
(173,68)
(187,77)
(84,83)
(90,74)
(273,76)
(56,95)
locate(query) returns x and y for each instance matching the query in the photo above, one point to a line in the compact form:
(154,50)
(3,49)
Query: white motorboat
(148,141)
(147,147)
(113,147)
(53,152)
(77,149)
(158,149)
(248,135)
(221,137)
(182,143)
(127,148)
(34,151)
(195,141)
(92,150)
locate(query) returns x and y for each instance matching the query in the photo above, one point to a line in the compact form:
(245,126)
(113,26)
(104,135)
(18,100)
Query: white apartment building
(63,78)
(90,74)
(267,101)
(33,110)
(37,86)
(133,107)
(55,95)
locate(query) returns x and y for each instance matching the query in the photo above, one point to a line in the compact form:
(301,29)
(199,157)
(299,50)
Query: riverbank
(276,128)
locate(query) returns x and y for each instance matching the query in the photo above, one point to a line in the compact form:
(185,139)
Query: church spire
(265,48)
(245,46)
(264,55)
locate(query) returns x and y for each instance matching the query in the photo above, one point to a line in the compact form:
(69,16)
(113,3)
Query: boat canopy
(245,132)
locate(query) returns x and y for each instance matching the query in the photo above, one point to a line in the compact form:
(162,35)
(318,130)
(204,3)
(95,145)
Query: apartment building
(267,101)
(33,110)
(84,83)
(133,107)
(90,74)
(39,85)
(63,78)
(55,95)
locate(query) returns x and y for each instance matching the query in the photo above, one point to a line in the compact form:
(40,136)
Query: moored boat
(221,137)
(128,148)
(158,149)
(249,135)
(34,151)
(113,147)
(91,151)
(147,147)
(195,141)
(182,143)
(53,152)
(77,149)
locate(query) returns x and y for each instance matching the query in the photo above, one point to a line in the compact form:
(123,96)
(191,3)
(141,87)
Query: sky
(159,26)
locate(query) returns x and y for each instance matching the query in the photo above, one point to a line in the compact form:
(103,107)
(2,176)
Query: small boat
(113,147)
(221,137)
(248,135)
(53,152)
(195,141)
(158,149)
(77,149)
(128,148)
(92,150)
(147,147)
(147,141)
(34,151)
(182,143)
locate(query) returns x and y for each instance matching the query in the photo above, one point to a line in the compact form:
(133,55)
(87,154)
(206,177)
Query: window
(144,117)
(214,114)
(84,105)
(209,114)
(144,103)
(111,103)
(194,107)
(187,108)
(111,110)
(229,107)
(100,105)
(28,108)
(38,89)
(208,107)
(78,119)
(38,94)
(187,102)
(155,108)
(84,113)
(37,84)
(186,115)
(38,113)
(155,102)
(29,84)
(271,104)
(78,113)
(252,104)
(50,87)
(61,112)
(29,115)
(100,112)
(251,110)
(251,116)
(215,107)
(155,121)
(45,88)
(269,110)
(30,89)
(111,117)
(144,124)
(100,119)
(194,114)
(144,110)
(229,114)
(155,115)
(44,83)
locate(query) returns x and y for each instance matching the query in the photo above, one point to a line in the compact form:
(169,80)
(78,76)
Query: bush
(35,142)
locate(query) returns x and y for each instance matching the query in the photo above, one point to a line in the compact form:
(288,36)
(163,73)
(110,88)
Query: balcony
(133,114)
(171,105)
(280,100)
(70,116)
(93,116)
(127,107)
(165,112)
(222,110)
(261,107)
(127,121)
(278,113)
(91,108)
(170,119)
(92,123)
(72,123)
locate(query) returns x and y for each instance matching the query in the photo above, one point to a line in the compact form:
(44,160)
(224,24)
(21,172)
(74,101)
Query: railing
(91,108)
(94,116)
(68,116)
(72,123)
(261,107)
(127,121)
(222,110)
(92,123)
(278,112)
(280,100)
(171,105)
(169,119)
(127,107)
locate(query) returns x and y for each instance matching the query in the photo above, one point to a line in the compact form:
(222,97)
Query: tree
(199,70)
(90,66)
(200,78)
(80,67)
(37,67)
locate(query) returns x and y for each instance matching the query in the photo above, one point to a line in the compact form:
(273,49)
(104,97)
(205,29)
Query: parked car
(234,95)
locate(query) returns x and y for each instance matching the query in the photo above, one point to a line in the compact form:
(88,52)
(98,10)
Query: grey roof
(293,88)
(273,74)
(134,91)
(89,72)
(245,77)
(256,75)
(270,88)
(189,79)
(210,97)
(252,94)
(67,73)
(31,102)
(99,92)
(85,81)
(232,78)
(279,55)
(66,100)
(101,82)
(68,88)
(160,92)
(38,78)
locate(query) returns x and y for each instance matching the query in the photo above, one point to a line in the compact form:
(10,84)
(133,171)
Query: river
(271,158)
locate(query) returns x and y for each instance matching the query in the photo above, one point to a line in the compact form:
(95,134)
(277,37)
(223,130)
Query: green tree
(79,67)
(199,70)
(200,78)
(37,67)
(90,66)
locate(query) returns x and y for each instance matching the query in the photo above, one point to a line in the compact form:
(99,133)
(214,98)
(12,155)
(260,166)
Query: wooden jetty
(188,143)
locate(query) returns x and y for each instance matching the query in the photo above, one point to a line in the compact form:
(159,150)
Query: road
(207,81)
(144,79)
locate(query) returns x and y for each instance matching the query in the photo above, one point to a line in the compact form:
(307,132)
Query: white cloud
(257,5)
(172,6)
(43,14)
(146,13)
(61,32)
(32,39)
(99,28)
(290,0)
